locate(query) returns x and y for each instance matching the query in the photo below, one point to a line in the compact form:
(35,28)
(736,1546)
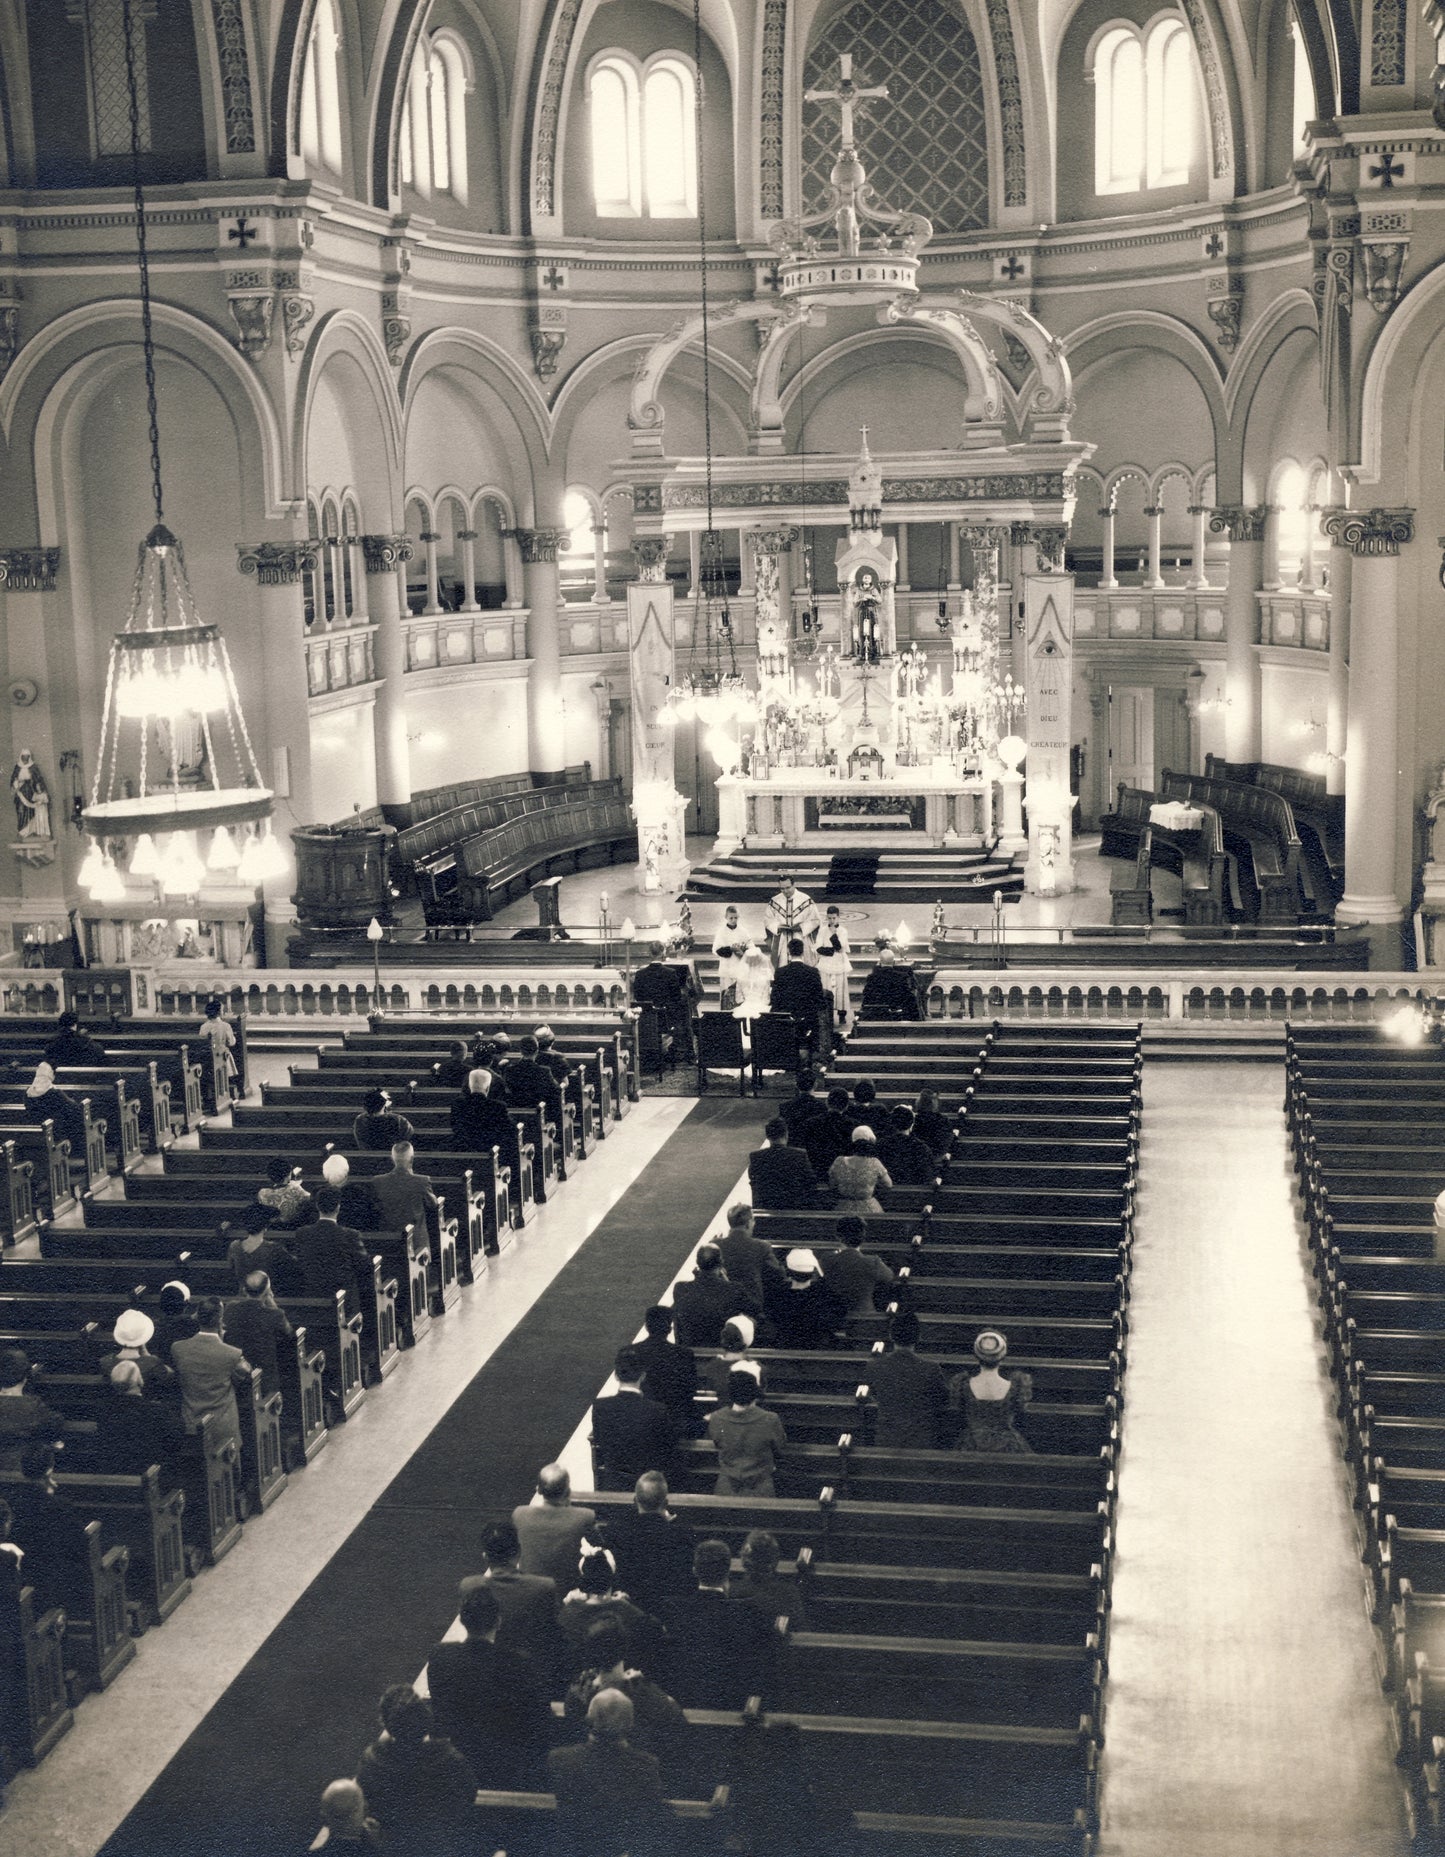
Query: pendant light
(175,757)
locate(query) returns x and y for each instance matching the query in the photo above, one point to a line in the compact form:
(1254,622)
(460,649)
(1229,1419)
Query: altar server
(792,914)
(730,944)
(835,963)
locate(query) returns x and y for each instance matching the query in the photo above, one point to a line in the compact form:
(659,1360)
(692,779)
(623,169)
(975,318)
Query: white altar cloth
(957,808)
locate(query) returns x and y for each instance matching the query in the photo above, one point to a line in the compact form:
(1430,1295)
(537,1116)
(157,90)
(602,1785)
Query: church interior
(644,632)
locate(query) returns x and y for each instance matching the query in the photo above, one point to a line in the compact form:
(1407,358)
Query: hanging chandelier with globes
(175,759)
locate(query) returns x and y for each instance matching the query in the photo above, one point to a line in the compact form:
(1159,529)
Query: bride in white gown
(755,986)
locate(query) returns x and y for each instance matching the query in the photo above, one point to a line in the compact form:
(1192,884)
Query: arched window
(321,93)
(1145,102)
(434,119)
(577,519)
(1304,90)
(644,137)
(1292,520)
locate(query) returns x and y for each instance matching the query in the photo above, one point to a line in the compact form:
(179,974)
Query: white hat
(989,1346)
(133,1329)
(864,1133)
(335,1169)
(744,1326)
(801,1263)
(543,1031)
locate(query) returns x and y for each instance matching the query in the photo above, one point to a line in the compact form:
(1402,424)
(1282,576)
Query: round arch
(1124,331)
(520,417)
(346,340)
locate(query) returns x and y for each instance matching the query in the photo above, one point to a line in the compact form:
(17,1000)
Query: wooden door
(1131,737)
(1171,732)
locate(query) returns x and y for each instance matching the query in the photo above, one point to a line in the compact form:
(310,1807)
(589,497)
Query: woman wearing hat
(44,1102)
(217,1031)
(132,1336)
(990,1402)
(856,1177)
(738,1334)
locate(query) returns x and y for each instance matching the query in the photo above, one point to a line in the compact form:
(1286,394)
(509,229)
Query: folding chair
(719,1047)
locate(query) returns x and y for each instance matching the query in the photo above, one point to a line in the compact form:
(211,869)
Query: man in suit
(452,1071)
(630,1432)
(552,1531)
(799,991)
(332,1256)
(72,1046)
(406,1198)
(803,1107)
(781,1178)
(609,1793)
(490,1702)
(207,1367)
(479,1121)
(652,1547)
(910,1162)
(665,987)
(357,1208)
(530,1082)
(830,1134)
(377,1127)
(889,992)
(911,1394)
(852,1274)
(721,1652)
(702,1305)
(257,1327)
(549,1056)
(745,1257)
(528,1602)
(669,1373)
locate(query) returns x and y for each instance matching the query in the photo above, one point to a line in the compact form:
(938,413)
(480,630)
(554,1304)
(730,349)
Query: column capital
(652,552)
(1240,521)
(1153,509)
(278,564)
(466,535)
(1198,509)
(1049,539)
(774,541)
(430,535)
(1108,514)
(386,553)
(980,535)
(1367,532)
(540,544)
(29,570)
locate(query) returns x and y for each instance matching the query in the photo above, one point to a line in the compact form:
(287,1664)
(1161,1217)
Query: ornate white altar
(798,806)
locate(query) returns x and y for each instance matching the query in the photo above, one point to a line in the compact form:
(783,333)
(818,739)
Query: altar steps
(898,876)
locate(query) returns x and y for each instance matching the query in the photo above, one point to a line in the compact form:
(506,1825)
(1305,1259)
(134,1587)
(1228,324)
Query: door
(1171,732)
(619,740)
(1131,737)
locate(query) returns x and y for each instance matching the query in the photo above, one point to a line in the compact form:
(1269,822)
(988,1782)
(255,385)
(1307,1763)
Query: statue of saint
(32,798)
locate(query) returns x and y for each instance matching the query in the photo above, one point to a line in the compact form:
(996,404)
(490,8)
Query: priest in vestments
(793,915)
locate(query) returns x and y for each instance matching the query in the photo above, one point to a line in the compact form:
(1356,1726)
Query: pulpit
(341,875)
(548,898)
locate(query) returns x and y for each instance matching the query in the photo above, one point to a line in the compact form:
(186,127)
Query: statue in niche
(866,603)
(31,796)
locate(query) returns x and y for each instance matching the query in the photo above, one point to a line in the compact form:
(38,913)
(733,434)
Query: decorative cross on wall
(1387,170)
(553,278)
(1012,267)
(772,277)
(1214,245)
(847,96)
(242,232)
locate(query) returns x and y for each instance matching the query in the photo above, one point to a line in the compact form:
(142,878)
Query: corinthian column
(545,728)
(386,558)
(1245,529)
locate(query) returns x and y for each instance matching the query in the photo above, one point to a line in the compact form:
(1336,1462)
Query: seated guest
(861,1104)
(804,1106)
(530,1082)
(332,1256)
(929,1126)
(134,1432)
(830,1134)
(345,1820)
(719,1652)
(378,1127)
(856,1177)
(630,1432)
(890,991)
(480,1121)
(805,1313)
(666,988)
(552,1530)
(257,1327)
(491,1703)
(207,1368)
(669,1372)
(702,1305)
(762,1587)
(48,1529)
(910,1162)
(527,1602)
(852,1274)
(548,1054)
(595,1594)
(175,1317)
(745,1257)
(748,1439)
(255,1249)
(358,1208)
(736,1338)
(45,1103)
(609,1794)
(71,1046)
(651,1546)
(798,990)
(660,1727)
(419,1788)
(990,1403)
(406,1198)
(453,1069)
(911,1394)
(287,1201)
(133,1333)
(780,1178)
(24,1419)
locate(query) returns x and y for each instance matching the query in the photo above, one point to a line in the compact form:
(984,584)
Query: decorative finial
(865,454)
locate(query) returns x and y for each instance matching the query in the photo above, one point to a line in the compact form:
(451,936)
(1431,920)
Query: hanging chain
(147,339)
(702,250)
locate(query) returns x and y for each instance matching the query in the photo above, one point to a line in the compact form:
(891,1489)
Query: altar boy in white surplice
(835,963)
(793,915)
(730,944)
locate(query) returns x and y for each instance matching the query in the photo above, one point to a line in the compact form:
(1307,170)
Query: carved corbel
(1383,261)
(296,314)
(252,312)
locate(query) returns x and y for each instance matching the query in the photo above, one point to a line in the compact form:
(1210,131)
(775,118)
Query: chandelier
(175,756)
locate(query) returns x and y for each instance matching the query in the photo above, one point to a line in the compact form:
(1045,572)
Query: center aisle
(303,1708)
(1245,1718)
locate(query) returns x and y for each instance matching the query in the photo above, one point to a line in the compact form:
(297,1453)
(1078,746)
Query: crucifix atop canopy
(847,96)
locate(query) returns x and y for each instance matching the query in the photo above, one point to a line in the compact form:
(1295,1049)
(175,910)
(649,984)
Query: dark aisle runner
(247,1781)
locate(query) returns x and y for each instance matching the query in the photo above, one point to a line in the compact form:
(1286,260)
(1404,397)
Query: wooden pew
(32,1643)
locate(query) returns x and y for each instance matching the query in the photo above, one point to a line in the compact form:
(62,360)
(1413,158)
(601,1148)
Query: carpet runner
(853,876)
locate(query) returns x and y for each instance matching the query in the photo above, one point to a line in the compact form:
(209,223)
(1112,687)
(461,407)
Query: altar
(815,806)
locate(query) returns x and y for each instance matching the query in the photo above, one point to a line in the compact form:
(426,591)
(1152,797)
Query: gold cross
(846,96)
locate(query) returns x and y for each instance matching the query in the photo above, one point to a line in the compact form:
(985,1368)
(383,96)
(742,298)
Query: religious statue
(32,798)
(866,633)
